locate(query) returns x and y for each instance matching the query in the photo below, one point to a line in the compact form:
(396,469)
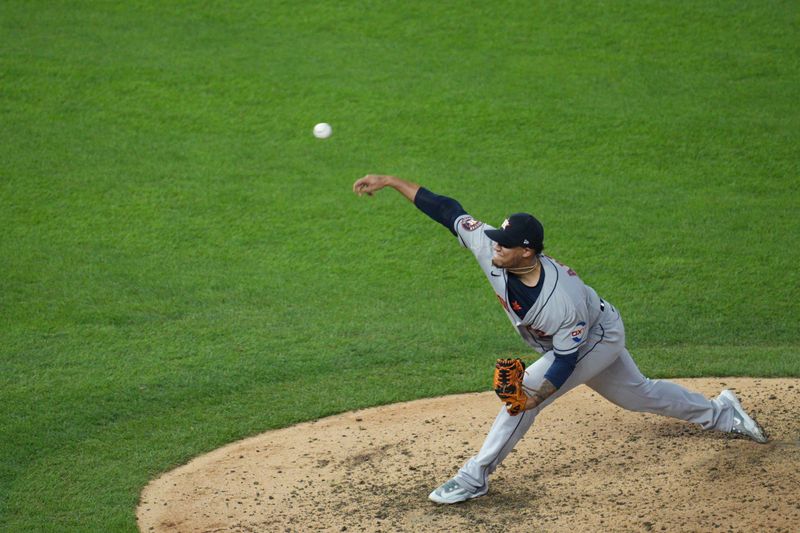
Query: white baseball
(323,130)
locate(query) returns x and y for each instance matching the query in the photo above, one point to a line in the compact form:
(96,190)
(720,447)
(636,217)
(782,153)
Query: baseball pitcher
(580,336)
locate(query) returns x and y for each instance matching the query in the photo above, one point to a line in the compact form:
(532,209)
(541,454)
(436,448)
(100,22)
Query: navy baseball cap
(519,229)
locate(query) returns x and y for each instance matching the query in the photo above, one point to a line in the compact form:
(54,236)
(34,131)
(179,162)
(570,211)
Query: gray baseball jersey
(567,315)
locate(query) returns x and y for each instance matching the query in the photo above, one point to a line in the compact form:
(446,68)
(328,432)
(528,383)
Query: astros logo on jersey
(470,224)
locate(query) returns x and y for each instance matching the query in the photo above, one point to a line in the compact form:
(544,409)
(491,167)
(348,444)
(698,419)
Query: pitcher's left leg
(623,384)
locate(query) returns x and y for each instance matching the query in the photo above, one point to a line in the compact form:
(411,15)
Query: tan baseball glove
(508,376)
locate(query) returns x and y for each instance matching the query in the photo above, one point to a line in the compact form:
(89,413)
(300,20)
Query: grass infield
(183,263)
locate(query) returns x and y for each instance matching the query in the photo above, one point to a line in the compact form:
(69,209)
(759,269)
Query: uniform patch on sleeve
(470,224)
(577,333)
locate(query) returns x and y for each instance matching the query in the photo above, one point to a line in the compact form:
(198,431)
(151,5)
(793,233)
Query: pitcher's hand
(370,183)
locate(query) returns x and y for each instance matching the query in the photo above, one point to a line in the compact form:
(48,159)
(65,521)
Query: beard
(516,265)
(497,263)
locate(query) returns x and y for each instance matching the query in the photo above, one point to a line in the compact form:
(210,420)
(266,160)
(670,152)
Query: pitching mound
(586,465)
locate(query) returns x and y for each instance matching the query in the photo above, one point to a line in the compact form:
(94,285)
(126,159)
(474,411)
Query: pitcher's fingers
(360,184)
(365,185)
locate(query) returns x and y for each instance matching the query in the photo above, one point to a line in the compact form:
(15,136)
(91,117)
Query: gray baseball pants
(607,368)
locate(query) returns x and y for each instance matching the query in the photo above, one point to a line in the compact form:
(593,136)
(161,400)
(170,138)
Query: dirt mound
(586,465)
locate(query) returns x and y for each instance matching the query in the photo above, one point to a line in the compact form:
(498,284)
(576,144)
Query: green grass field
(184,264)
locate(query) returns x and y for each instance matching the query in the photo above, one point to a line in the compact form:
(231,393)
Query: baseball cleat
(453,492)
(742,423)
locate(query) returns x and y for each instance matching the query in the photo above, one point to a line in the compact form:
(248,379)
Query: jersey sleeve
(571,335)
(470,233)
